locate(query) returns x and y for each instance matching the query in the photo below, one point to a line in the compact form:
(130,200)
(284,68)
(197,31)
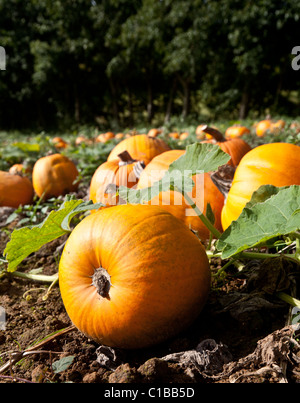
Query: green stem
(223,268)
(297,254)
(287,298)
(199,213)
(254,255)
(36,277)
(262,255)
(296,235)
(211,254)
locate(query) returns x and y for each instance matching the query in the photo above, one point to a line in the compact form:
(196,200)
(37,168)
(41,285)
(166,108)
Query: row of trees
(124,60)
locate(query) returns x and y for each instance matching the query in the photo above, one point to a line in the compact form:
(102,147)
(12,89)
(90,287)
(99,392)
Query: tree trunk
(186,96)
(186,100)
(130,106)
(244,105)
(149,102)
(76,104)
(115,105)
(170,101)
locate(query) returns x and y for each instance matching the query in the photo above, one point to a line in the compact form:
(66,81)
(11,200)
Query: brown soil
(243,329)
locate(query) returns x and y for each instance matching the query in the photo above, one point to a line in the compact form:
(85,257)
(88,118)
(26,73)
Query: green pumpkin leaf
(198,158)
(62,364)
(29,239)
(203,157)
(271,212)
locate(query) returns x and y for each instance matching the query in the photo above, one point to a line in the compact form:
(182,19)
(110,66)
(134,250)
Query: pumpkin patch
(132,245)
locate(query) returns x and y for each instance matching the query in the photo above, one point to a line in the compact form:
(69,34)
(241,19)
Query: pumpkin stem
(101,280)
(223,178)
(218,136)
(125,158)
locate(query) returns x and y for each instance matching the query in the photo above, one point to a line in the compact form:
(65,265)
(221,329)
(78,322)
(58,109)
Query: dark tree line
(126,61)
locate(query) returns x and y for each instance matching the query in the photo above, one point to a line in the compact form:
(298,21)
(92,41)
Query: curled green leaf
(271,212)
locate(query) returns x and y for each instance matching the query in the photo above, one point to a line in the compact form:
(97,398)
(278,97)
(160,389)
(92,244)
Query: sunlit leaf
(27,240)
(263,218)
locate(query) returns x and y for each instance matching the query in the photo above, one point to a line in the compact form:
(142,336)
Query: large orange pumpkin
(274,164)
(235,147)
(141,147)
(124,171)
(204,192)
(54,175)
(133,276)
(15,190)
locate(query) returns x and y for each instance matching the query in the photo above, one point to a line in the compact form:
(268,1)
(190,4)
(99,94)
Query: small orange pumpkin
(104,137)
(277,126)
(124,171)
(183,135)
(295,126)
(119,136)
(174,135)
(154,132)
(235,147)
(236,131)
(54,175)
(83,140)
(262,127)
(141,147)
(15,190)
(20,169)
(133,276)
(59,143)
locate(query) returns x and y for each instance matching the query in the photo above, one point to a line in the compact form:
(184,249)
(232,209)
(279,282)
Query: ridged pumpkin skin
(15,190)
(141,147)
(115,172)
(159,274)
(235,147)
(274,164)
(54,175)
(174,202)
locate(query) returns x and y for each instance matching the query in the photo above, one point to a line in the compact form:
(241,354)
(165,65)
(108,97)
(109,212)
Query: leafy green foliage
(198,158)
(74,61)
(271,212)
(27,240)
